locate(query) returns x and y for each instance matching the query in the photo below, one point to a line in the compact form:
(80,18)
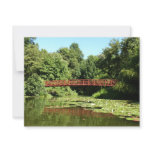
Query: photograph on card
(81,81)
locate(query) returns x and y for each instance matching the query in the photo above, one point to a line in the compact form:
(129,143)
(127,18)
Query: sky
(88,45)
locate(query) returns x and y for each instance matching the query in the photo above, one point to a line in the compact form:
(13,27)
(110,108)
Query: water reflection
(78,111)
(40,112)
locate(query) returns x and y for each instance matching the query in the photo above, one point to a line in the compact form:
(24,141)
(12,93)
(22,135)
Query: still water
(47,112)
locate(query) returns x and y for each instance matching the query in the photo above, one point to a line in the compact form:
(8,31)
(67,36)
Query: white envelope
(19,32)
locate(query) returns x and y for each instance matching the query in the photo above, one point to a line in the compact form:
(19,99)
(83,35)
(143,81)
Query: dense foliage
(120,60)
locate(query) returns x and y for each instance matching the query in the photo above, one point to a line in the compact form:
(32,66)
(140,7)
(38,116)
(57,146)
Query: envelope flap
(18,49)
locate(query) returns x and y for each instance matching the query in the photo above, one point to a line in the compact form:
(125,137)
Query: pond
(61,112)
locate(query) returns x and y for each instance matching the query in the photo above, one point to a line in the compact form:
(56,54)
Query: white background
(14,136)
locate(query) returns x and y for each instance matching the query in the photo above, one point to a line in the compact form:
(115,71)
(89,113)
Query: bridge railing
(81,82)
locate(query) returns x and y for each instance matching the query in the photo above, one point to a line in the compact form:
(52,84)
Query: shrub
(61,91)
(34,86)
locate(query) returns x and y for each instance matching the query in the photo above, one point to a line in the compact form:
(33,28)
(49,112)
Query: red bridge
(81,82)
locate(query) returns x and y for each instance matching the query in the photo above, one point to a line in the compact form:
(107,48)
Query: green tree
(53,67)
(32,60)
(29,40)
(109,60)
(88,68)
(74,57)
(34,86)
(121,61)
(74,48)
(129,74)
